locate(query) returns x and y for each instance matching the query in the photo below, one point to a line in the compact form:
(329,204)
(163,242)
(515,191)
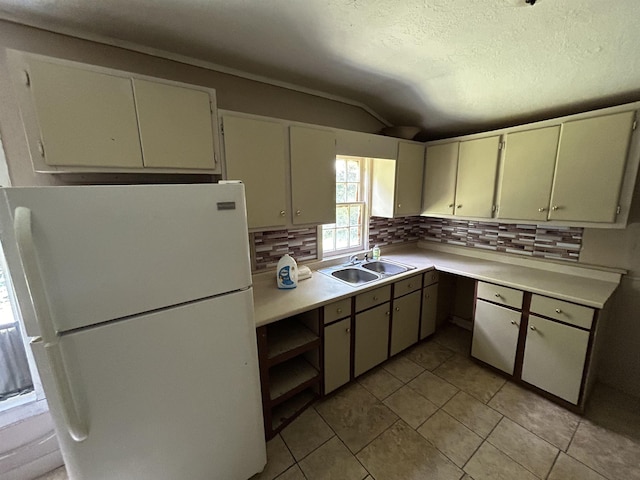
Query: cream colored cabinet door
(554,357)
(85,118)
(590,168)
(337,354)
(527,174)
(405,323)
(313,175)
(176,130)
(383,187)
(495,335)
(476,181)
(371,338)
(255,152)
(429,312)
(408,188)
(439,186)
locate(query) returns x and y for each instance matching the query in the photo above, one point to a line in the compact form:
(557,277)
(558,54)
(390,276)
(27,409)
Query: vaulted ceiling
(449,66)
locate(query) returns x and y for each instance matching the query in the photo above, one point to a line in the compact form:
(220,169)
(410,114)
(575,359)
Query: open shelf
(289,338)
(284,413)
(287,378)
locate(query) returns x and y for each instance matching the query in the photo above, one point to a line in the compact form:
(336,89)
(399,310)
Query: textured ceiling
(448,66)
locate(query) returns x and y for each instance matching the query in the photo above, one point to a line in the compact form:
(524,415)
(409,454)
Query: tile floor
(432,413)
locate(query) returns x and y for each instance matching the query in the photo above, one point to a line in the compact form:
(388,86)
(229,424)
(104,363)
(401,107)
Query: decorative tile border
(269,246)
(555,243)
(387,231)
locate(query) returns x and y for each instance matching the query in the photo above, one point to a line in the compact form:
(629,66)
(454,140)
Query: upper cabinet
(313,175)
(527,174)
(396,185)
(255,152)
(460,178)
(81,118)
(589,171)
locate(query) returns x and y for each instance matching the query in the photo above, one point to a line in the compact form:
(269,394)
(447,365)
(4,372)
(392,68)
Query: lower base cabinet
(429,314)
(406,322)
(554,357)
(495,335)
(371,338)
(337,354)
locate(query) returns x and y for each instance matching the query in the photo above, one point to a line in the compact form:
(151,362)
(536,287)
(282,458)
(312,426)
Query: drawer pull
(282,212)
(339,310)
(558,310)
(513,322)
(375,298)
(533,328)
(497,295)
(410,285)
(348,330)
(387,313)
(397,309)
(427,296)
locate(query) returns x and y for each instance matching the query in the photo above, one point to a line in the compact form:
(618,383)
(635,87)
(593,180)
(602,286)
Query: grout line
(574,434)
(555,460)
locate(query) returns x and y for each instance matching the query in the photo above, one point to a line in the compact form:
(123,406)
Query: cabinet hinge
(26,78)
(635,124)
(494,208)
(41,148)
(618,210)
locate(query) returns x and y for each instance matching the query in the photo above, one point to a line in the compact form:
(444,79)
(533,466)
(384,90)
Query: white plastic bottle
(287,272)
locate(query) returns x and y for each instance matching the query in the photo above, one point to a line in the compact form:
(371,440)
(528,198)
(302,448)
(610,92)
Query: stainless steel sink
(386,268)
(355,276)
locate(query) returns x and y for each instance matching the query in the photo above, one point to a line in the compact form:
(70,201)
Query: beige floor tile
(356,416)
(489,463)
(380,383)
(410,406)
(451,437)
(332,461)
(466,477)
(306,433)
(454,337)
(538,415)
(279,459)
(429,354)
(609,453)
(472,413)
(524,447)
(294,473)
(400,453)
(433,388)
(403,368)
(57,474)
(470,377)
(614,411)
(567,468)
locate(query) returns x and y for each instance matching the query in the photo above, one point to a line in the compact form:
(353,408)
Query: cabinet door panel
(372,337)
(439,187)
(591,161)
(495,335)
(313,175)
(86,118)
(527,175)
(476,181)
(406,322)
(554,356)
(175,126)
(410,168)
(255,153)
(337,354)
(429,310)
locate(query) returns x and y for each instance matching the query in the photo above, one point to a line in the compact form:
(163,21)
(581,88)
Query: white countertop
(272,304)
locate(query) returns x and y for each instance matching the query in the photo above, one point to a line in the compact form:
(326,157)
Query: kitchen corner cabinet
(460,178)
(80,118)
(255,152)
(313,175)
(396,188)
(539,341)
(290,363)
(592,154)
(527,174)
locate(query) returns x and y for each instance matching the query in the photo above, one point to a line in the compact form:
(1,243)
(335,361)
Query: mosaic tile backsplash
(554,243)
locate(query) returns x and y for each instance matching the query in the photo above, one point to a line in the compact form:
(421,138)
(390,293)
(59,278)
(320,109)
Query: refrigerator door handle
(29,259)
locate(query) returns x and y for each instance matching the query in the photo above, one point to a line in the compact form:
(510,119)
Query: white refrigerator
(139,302)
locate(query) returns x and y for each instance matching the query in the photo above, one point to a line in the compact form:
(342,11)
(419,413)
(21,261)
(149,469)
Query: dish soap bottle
(287,272)
(376,252)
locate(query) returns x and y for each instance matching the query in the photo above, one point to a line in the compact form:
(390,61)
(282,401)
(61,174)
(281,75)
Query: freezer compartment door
(106,252)
(168,395)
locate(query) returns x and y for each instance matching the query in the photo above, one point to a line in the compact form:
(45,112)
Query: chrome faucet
(353,259)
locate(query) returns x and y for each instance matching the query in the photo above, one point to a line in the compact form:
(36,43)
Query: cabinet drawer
(337,310)
(407,286)
(577,315)
(373,297)
(431,277)
(498,294)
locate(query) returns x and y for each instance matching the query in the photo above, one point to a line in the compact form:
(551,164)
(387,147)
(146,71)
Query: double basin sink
(365,272)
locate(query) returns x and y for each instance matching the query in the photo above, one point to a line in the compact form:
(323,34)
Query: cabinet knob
(339,310)
(459,206)
(433,277)
(282,212)
(397,309)
(542,209)
(558,310)
(497,295)
(348,330)
(513,322)
(410,285)
(387,313)
(375,298)
(451,205)
(298,212)
(399,205)
(533,328)
(427,296)
(555,207)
